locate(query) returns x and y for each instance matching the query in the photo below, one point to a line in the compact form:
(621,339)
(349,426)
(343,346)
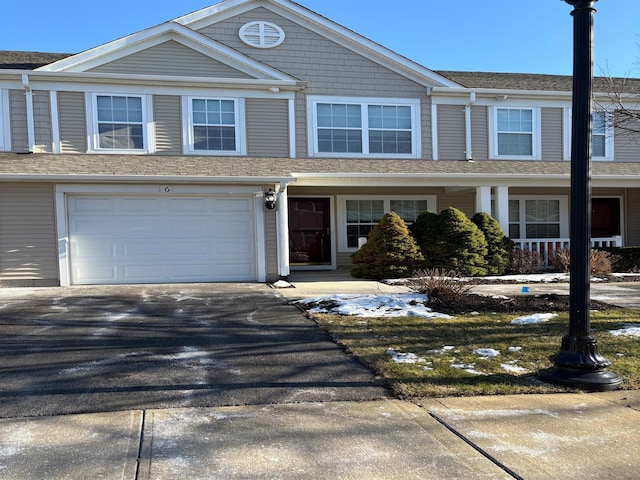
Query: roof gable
(116,52)
(340,35)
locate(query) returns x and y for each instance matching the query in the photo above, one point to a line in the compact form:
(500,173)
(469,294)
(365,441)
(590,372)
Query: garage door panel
(161,239)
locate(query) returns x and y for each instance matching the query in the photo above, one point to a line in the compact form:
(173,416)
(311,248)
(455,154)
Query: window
(537,218)
(214,126)
(374,127)
(119,123)
(516,133)
(360,215)
(602,136)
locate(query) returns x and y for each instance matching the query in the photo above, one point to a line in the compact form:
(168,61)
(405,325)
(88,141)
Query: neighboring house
(147,159)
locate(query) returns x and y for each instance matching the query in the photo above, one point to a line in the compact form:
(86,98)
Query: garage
(127,239)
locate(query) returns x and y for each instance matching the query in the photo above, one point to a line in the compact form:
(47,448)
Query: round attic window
(261,34)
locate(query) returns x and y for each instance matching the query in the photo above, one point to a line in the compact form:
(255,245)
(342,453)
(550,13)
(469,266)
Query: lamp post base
(589,380)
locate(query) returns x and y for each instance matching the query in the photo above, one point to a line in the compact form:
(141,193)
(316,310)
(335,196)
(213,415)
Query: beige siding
(72,120)
(167,112)
(451,132)
(627,146)
(551,119)
(42,121)
(328,68)
(463,200)
(267,127)
(631,216)
(170,58)
(18,114)
(271,244)
(28,250)
(480,132)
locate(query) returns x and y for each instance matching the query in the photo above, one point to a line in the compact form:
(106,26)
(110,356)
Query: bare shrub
(601,261)
(439,284)
(525,261)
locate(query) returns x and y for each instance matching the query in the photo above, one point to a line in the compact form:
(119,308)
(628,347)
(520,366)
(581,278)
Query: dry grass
(434,375)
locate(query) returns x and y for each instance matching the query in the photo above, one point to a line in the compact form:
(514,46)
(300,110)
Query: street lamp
(578,363)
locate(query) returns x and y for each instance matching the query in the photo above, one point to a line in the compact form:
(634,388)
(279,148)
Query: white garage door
(161,239)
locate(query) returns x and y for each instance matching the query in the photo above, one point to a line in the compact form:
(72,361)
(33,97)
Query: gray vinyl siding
(72,121)
(480,132)
(267,127)
(271,243)
(18,115)
(626,147)
(552,134)
(167,112)
(327,67)
(632,214)
(42,121)
(28,247)
(451,132)
(173,59)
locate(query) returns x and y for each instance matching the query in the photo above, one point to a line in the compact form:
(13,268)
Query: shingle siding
(18,113)
(28,248)
(42,121)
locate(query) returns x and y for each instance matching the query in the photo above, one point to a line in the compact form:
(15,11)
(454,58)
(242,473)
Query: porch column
(483,199)
(282,231)
(502,208)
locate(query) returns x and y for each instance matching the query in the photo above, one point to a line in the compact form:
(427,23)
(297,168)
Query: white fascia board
(159,34)
(160,179)
(322,26)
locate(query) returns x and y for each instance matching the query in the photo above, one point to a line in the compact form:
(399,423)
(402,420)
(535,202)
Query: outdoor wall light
(270,198)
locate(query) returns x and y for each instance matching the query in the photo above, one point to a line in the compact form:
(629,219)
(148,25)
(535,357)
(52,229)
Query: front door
(605,217)
(309,231)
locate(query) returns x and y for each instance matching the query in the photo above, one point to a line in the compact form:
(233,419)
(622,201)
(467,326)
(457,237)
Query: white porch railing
(547,246)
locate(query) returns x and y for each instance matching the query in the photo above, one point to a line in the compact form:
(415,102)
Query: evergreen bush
(390,251)
(499,246)
(427,233)
(464,245)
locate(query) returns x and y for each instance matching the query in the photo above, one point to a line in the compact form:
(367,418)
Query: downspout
(31,137)
(282,234)
(467,125)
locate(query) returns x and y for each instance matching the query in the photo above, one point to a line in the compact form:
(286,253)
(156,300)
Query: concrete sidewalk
(590,436)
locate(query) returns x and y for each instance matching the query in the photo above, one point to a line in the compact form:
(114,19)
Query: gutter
(143,178)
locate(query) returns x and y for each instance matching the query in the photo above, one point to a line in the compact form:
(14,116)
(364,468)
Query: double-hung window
(214,126)
(602,135)
(538,218)
(516,133)
(360,214)
(120,123)
(354,127)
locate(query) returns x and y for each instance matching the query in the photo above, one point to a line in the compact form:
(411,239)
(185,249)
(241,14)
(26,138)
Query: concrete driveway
(100,349)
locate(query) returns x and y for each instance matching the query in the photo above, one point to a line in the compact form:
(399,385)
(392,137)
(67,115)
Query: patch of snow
(487,352)
(535,318)
(627,331)
(514,349)
(399,305)
(443,350)
(512,368)
(408,357)
(471,368)
(282,284)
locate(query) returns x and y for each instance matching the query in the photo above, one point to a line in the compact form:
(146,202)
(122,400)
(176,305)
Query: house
(148,159)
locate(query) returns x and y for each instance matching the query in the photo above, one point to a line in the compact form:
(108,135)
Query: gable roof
(101,55)
(323,26)
(19,60)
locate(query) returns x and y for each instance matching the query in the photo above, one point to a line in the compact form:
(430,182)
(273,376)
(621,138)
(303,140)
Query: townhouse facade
(255,137)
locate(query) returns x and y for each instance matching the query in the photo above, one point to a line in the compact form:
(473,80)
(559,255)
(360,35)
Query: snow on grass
(535,318)
(511,367)
(486,352)
(627,331)
(398,305)
(405,357)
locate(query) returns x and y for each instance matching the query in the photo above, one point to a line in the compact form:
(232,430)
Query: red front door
(309,234)
(605,217)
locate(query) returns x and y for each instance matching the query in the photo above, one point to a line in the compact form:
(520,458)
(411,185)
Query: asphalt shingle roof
(10,59)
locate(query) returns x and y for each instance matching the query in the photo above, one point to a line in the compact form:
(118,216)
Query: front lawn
(476,354)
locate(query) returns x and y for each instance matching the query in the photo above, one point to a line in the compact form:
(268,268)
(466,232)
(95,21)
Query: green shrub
(390,251)
(464,245)
(499,246)
(428,235)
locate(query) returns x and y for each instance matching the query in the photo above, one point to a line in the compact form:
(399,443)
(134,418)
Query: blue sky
(490,35)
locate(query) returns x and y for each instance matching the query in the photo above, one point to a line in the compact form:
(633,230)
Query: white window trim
(188,147)
(536,153)
(342,212)
(564,212)
(608,143)
(312,128)
(148,132)
(5,130)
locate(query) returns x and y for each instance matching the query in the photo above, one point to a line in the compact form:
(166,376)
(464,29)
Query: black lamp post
(578,363)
